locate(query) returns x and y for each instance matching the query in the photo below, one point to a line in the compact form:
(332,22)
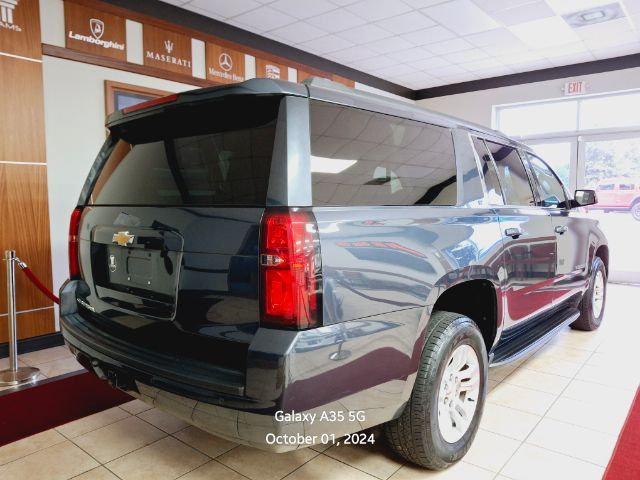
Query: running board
(518,345)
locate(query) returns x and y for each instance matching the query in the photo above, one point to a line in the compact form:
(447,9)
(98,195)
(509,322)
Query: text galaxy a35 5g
(283,264)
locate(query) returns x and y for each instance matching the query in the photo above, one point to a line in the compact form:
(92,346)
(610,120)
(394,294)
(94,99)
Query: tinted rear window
(217,153)
(365,158)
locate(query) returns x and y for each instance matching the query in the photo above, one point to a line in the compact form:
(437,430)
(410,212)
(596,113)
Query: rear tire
(635,211)
(594,299)
(454,344)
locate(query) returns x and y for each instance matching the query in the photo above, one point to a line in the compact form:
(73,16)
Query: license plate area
(140,278)
(134,267)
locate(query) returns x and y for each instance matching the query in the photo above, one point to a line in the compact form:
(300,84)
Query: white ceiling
(427,43)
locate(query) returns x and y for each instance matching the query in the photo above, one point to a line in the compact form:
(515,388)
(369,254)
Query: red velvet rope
(40,286)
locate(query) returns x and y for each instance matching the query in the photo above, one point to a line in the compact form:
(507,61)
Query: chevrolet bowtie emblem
(123,238)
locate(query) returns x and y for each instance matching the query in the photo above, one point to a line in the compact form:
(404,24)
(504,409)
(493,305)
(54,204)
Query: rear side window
(606,186)
(365,158)
(513,177)
(627,186)
(211,154)
(494,191)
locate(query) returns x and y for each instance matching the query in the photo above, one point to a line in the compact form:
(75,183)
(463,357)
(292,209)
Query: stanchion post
(9,258)
(14,375)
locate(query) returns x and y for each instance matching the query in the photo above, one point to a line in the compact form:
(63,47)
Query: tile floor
(555,414)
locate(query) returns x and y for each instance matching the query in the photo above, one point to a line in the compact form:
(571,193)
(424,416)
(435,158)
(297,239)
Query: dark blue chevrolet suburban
(283,264)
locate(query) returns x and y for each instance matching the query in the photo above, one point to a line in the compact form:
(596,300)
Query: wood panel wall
(24,210)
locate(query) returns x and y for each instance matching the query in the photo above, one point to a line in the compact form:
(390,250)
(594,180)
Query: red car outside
(619,194)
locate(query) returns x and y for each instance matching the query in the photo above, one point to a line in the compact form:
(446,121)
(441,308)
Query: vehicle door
(626,193)
(607,196)
(572,234)
(529,243)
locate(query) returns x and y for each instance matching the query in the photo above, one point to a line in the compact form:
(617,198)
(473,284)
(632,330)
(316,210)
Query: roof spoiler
(326,83)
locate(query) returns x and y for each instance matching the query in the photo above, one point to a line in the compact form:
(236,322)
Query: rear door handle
(561,229)
(513,232)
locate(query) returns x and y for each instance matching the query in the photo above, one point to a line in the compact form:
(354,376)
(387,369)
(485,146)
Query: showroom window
(596,112)
(617,111)
(535,119)
(365,158)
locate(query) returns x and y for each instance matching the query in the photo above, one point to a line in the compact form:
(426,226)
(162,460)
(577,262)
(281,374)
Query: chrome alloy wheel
(458,395)
(597,298)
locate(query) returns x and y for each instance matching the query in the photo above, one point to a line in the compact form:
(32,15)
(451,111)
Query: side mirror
(585,197)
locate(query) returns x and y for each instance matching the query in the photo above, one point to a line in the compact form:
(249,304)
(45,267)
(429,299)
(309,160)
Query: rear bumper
(236,423)
(324,375)
(252,429)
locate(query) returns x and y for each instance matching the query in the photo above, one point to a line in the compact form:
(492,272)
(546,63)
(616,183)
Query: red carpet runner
(52,403)
(625,461)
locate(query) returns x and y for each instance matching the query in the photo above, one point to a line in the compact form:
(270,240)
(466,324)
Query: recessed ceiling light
(595,15)
(562,7)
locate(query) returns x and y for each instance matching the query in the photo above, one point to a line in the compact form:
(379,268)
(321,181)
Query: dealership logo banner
(94,31)
(269,69)
(225,65)
(20,28)
(7,8)
(97,30)
(167,50)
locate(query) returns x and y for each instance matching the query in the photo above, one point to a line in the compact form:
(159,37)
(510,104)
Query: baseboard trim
(32,344)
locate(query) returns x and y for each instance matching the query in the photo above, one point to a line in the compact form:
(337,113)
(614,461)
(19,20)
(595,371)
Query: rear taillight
(151,103)
(74,226)
(291,270)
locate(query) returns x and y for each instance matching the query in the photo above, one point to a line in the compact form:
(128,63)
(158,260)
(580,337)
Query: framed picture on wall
(122,95)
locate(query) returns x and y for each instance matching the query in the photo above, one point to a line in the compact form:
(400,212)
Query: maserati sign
(167,49)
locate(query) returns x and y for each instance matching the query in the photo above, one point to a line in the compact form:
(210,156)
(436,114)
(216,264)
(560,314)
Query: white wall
(74,97)
(52,22)
(477,106)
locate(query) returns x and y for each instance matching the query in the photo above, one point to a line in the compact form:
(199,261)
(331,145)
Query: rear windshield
(216,153)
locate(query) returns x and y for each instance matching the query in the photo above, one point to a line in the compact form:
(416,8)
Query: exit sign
(575,88)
